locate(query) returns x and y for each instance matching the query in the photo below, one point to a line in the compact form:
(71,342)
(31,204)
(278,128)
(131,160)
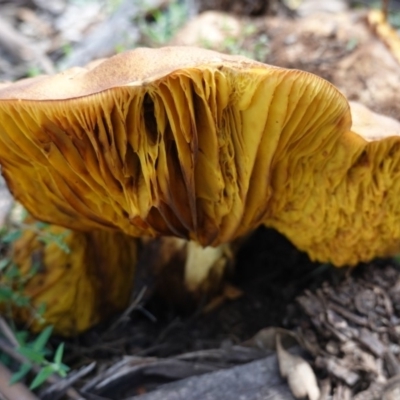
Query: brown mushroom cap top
(132,68)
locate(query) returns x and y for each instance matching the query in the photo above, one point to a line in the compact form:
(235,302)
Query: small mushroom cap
(79,287)
(177,141)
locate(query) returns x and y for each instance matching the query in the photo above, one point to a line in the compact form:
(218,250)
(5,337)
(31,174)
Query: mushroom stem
(181,269)
(205,266)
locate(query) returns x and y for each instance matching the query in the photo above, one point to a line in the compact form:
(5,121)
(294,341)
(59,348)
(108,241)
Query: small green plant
(9,235)
(119,48)
(34,71)
(12,287)
(250,44)
(36,353)
(67,49)
(165,23)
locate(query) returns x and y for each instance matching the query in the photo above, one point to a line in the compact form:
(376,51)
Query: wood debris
(356,325)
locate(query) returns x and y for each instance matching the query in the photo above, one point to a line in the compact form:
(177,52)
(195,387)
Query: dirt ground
(348,321)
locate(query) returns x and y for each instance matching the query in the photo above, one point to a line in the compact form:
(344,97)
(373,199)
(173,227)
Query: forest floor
(344,322)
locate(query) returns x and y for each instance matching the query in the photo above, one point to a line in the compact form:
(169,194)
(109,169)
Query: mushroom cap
(372,126)
(173,141)
(341,203)
(81,287)
(139,67)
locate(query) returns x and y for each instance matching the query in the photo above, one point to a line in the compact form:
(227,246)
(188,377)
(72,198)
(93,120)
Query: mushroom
(338,200)
(84,281)
(202,146)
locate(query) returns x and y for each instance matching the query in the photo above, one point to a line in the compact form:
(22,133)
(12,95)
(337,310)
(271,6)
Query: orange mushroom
(84,281)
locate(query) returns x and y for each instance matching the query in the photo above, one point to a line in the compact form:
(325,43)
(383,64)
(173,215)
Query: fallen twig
(112,32)
(20,48)
(58,389)
(17,391)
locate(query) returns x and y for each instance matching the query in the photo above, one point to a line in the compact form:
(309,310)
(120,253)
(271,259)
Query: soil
(270,271)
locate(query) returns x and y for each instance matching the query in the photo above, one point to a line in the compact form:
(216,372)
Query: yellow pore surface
(79,288)
(200,145)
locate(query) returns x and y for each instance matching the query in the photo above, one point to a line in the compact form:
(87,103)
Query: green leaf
(62,370)
(12,272)
(43,338)
(21,336)
(5,359)
(31,354)
(42,225)
(24,214)
(23,370)
(42,376)
(6,294)
(41,309)
(59,354)
(20,300)
(4,262)
(63,246)
(58,240)
(11,236)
